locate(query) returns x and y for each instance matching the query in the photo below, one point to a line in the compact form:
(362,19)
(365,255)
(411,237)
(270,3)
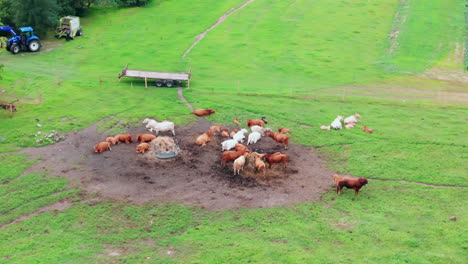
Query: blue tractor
(25,41)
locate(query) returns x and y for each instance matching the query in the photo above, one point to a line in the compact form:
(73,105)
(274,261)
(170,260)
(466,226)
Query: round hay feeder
(165,147)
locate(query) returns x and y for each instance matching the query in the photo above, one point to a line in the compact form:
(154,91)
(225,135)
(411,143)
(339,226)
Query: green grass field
(300,63)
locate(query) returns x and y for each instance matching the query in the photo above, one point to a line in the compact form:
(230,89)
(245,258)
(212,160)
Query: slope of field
(300,64)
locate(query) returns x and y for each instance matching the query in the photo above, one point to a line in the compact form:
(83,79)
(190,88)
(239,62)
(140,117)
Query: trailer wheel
(79,32)
(34,45)
(169,83)
(15,48)
(159,83)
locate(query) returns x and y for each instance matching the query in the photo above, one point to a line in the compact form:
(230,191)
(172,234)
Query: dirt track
(194,178)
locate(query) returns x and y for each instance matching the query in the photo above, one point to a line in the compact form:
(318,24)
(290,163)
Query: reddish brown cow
(276,157)
(203,112)
(349,183)
(284,131)
(204,138)
(101,147)
(232,155)
(260,165)
(145,137)
(233,132)
(216,128)
(141,148)
(127,138)
(256,122)
(111,140)
(240,147)
(368,130)
(225,133)
(280,138)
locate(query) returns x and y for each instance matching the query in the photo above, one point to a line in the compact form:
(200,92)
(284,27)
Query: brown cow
(111,140)
(203,112)
(280,138)
(101,147)
(276,157)
(216,128)
(368,130)
(127,138)
(232,155)
(284,131)
(256,122)
(145,137)
(204,138)
(349,183)
(141,148)
(225,133)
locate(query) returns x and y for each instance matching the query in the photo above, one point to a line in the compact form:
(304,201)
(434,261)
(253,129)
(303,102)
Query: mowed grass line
(12,165)
(427,31)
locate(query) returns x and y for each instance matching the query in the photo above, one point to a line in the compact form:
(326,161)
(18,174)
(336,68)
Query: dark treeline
(43,15)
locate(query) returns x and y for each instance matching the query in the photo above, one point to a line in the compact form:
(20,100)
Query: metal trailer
(161,78)
(68,27)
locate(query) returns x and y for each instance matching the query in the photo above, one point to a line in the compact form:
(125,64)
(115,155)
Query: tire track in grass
(180,91)
(58,206)
(420,183)
(220,20)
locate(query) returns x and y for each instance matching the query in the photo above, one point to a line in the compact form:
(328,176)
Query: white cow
(336,124)
(156,126)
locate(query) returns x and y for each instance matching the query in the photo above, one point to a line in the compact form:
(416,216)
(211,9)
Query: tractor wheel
(8,45)
(34,45)
(159,83)
(169,83)
(15,48)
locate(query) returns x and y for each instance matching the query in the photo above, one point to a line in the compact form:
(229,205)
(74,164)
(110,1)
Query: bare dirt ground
(194,178)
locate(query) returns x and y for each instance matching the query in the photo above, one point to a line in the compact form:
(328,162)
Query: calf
(204,138)
(216,128)
(111,140)
(284,131)
(233,132)
(239,164)
(368,130)
(225,133)
(260,165)
(142,148)
(101,147)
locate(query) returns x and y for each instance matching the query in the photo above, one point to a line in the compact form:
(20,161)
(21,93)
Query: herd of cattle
(232,147)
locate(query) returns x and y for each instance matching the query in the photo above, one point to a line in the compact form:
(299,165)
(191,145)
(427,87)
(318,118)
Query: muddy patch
(195,177)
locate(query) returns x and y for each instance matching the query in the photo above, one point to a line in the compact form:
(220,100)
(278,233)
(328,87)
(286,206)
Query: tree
(74,7)
(39,14)
(128,3)
(6,15)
